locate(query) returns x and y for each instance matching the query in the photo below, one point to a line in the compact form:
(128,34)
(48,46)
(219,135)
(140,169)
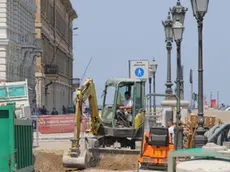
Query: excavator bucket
(76,158)
(81,157)
(79,162)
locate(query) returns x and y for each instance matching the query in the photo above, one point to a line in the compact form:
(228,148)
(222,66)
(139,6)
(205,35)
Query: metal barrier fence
(56,127)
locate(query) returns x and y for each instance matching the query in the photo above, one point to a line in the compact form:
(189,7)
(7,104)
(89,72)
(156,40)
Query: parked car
(225,108)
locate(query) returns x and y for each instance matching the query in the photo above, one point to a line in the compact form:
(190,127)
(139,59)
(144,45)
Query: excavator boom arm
(87,91)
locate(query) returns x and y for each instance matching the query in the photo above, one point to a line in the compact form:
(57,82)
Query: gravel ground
(48,158)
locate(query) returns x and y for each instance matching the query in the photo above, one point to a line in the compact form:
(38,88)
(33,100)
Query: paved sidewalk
(95,170)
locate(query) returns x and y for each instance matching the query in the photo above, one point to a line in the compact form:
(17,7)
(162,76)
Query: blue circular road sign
(139,72)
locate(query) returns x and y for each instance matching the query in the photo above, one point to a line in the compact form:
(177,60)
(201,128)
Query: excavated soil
(118,162)
(48,161)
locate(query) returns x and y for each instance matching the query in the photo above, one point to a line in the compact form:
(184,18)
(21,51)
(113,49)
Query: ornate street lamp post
(153,67)
(168,23)
(178,30)
(178,14)
(200,8)
(150,87)
(182,82)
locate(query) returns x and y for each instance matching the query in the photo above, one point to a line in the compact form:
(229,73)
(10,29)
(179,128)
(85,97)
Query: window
(107,114)
(43,6)
(66,67)
(70,37)
(121,93)
(51,15)
(110,92)
(138,101)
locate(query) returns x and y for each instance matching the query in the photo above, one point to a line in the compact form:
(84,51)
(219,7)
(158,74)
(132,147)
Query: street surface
(95,170)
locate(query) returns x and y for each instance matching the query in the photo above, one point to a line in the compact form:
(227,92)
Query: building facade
(54,36)
(17,42)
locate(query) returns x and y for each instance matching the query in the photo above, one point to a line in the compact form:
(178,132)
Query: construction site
(113,138)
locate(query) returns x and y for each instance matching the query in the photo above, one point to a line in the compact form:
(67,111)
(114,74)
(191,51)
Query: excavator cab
(119,119)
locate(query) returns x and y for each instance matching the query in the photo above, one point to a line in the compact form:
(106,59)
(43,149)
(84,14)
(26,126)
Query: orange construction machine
(155,146)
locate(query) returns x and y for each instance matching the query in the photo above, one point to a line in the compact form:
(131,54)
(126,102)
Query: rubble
(118,162)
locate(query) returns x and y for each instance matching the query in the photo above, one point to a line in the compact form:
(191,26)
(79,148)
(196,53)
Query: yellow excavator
(118,126)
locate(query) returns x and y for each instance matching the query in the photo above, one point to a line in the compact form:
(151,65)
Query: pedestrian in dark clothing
(74,108)
(43,110)
(63,109)
(54,112)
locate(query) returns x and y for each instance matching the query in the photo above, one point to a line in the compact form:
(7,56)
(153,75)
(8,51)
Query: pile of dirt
(48,161)
(118,162)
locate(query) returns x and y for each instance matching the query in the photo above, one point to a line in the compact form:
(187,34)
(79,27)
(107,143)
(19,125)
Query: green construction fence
(16,145)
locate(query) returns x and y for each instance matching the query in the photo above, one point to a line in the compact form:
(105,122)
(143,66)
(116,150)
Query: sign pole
(129,69)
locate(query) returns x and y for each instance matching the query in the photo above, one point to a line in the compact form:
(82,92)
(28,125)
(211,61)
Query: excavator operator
(127,106)
(128,101)
(124,112)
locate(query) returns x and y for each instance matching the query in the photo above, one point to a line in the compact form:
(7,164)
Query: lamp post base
(200,141)
(183,104)
(178,141)
(169,90)
(173,103)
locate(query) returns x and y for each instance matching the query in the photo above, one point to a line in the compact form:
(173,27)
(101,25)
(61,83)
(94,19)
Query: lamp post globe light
(200,8)
(153,66)
(178,12)
(168,23)
(178,30)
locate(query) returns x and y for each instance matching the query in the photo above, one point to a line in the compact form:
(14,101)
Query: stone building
(17,42)
(54,36)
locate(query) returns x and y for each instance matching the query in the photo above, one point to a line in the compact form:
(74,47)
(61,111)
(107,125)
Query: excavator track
(111,150)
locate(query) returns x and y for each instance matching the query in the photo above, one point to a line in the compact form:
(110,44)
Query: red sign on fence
(213,102)
(48,124)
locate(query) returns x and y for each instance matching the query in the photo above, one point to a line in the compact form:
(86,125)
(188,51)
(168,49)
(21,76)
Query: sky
(115,31)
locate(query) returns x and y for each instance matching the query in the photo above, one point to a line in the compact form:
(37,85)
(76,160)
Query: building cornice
(67,4)
(4,41)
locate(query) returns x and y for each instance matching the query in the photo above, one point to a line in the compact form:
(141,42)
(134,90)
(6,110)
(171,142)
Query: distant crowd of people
(44,111)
